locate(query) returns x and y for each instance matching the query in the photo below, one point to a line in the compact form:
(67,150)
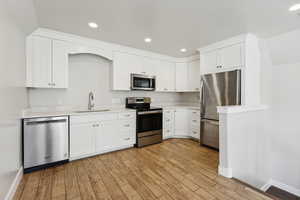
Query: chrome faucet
(91,101)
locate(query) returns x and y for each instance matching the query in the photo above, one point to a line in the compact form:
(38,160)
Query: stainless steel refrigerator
(219,89)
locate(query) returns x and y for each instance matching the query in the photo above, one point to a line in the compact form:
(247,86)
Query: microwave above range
(142,82)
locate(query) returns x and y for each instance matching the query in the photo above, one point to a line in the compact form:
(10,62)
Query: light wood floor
(174,169)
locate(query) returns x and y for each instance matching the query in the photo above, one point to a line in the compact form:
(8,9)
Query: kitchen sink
(87,111)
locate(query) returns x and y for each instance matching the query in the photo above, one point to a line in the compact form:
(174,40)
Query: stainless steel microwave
(142,82)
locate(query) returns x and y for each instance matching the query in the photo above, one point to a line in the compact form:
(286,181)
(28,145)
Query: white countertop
(64,111)
(240,109)
(52,113)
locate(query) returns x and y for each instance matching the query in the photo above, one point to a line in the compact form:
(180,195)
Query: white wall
(244,149)
(281,90)
(17,20)
(92,73)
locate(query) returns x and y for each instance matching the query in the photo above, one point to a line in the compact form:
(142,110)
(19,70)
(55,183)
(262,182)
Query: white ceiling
(172,24)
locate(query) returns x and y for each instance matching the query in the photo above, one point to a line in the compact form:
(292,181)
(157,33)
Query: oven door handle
(150,112)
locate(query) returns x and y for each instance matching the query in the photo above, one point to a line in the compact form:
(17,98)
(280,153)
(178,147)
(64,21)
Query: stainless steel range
(148,121)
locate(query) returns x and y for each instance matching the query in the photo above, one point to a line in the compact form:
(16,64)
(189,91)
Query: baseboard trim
(282,186)
(13,188)
(266,186)
(226,172)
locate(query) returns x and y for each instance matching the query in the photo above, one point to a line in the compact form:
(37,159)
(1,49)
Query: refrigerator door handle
(238,88)
(202,97)
(210,121)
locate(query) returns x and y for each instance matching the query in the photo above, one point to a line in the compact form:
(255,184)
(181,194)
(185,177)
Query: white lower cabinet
(105,138)
(96,134)
(181,122)
(168,124)
(82,139)
(194,130)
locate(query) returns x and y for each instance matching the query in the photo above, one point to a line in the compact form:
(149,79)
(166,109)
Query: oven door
(142,82)
(149,121)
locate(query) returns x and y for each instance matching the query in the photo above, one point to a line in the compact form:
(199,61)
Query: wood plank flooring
(176,169)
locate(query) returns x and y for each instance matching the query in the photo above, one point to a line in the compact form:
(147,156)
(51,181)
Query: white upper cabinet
(123,66)
(240,52)
(148,66)
(222,59)
(194,75)
(188,76)
(181,77)
(209,62)
(165,76)
(39,62)
(60,64)
(230,57)
(47,63)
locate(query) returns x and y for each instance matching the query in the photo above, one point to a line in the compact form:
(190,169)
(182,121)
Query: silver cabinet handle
(127,125)
(196,88)
(127,139)
(128,115)
(194,120)
(167,120)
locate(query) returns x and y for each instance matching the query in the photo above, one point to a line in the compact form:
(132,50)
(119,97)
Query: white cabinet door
(165,76)
(209,62)
(148,66)
(194,75)
(107,136)
(82,139)
(230,57)
(182,122)
(181,77)
(39,62)
(60,64)
(168,123)
(123,66)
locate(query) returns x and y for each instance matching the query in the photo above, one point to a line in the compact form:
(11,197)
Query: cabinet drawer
(127,115)
(127,125)
(195,114)
(195,133)
(93,118)
(195,123)
(127,138)
(168,132)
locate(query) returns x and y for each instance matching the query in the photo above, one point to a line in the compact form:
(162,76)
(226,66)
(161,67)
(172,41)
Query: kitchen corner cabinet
(181,123)
(165,76)
(47,63)
(188,76)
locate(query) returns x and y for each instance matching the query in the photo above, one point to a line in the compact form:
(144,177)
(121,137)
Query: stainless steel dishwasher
(45,142)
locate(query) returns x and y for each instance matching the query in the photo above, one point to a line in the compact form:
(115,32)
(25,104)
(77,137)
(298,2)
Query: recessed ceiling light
(183,50)
(93,25)
(147,40)
(295,7)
